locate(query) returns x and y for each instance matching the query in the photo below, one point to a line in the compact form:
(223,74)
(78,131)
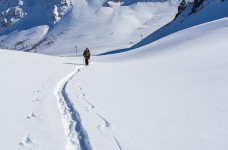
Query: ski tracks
(106,124)
(76,135)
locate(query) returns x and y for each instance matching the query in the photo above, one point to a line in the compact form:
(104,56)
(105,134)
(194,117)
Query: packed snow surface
(170,94)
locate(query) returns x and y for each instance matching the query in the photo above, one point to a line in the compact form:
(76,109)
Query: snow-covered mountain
(158,76)
(172,91)
(191,15)
(117,26)
(121,25)
(28,21)
(31,12)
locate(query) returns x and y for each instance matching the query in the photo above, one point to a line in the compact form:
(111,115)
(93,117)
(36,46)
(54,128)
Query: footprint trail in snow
(76,134)
(28,143)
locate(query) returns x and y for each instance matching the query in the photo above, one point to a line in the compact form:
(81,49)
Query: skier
(86,56)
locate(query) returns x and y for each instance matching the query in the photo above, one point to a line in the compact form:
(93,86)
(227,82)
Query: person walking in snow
(86,56)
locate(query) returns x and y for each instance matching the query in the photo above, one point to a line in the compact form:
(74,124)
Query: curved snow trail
(117,142)
(106,123)
(77,137)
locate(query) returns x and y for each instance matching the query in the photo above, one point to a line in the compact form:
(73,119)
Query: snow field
(169,94)
(24,39)
(171,91)
(30,118)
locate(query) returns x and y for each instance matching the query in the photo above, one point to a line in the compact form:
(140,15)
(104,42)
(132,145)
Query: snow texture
(154,82)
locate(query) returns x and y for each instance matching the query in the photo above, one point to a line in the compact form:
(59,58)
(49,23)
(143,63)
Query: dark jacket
(86,54)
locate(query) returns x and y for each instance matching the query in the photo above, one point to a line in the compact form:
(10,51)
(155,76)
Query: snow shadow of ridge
(75,64)
(215,11)
(131,2)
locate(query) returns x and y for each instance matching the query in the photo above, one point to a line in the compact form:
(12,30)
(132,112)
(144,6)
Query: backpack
(86,54)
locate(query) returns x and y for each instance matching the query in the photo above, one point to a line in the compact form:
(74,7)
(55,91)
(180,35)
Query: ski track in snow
(76,134)
(107,124)
(117,142)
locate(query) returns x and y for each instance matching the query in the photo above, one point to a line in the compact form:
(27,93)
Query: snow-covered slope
(30,118)
(24,19)
(116,28)
(168,92)
(103,29)
(171,91)
(209,10)
(89,24)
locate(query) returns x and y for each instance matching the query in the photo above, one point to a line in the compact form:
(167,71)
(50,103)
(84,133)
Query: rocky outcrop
(196,4)
(181,7)
(107,4)
(54,15)
(193,7)
(11,16)
(13,11)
